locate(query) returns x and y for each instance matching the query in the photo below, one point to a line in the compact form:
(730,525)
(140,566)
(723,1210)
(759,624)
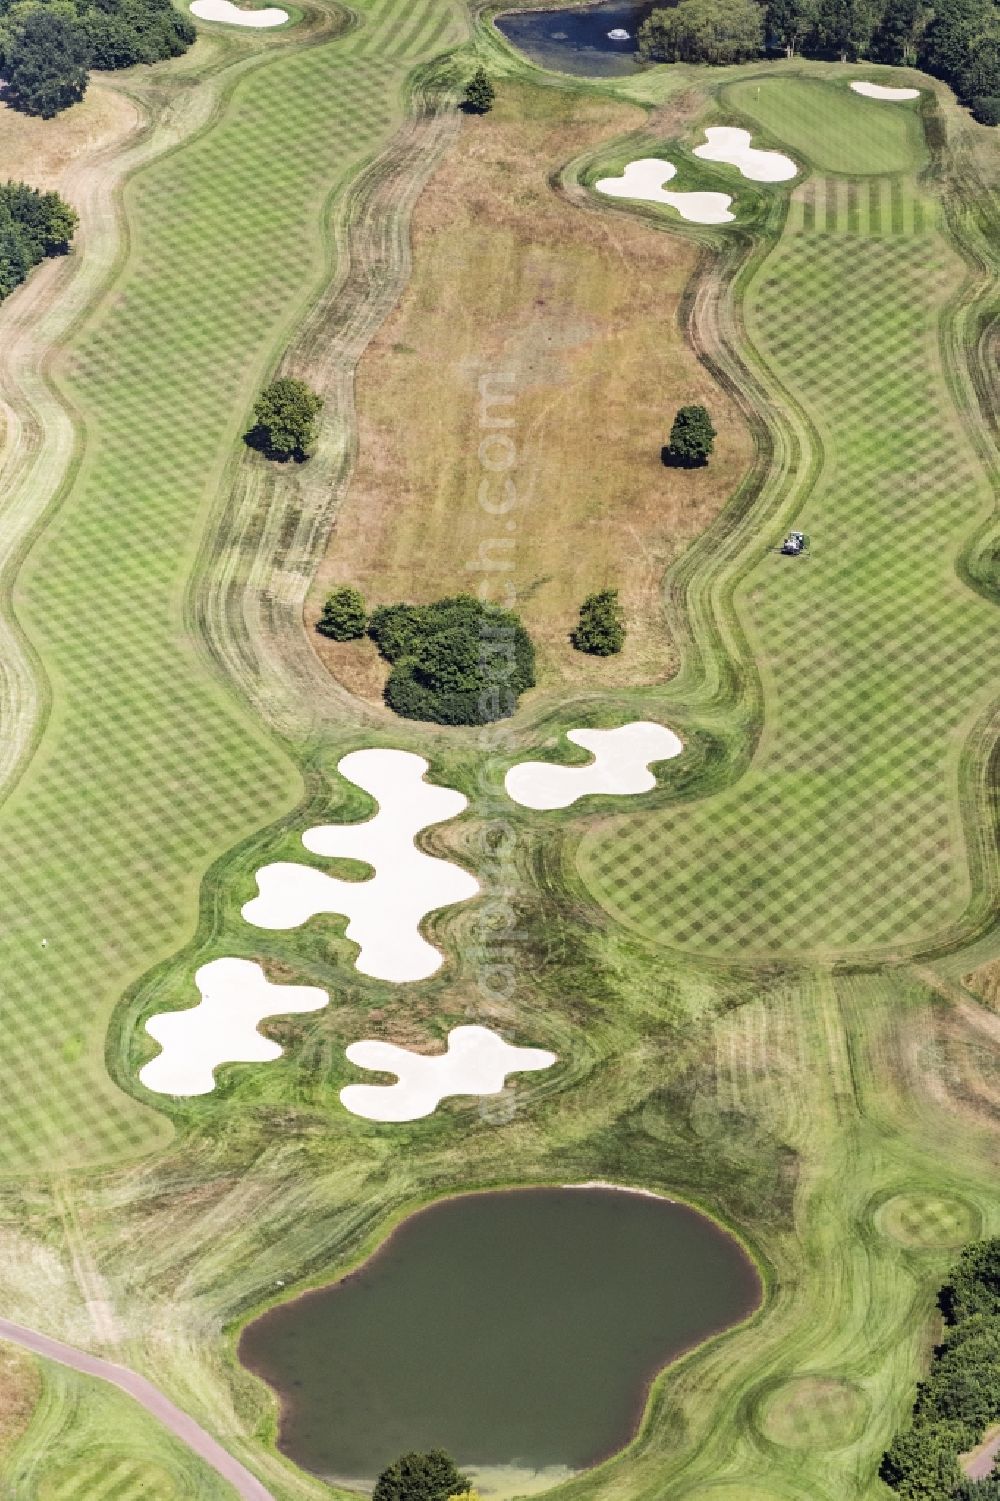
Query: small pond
(519,1330)
(577,41)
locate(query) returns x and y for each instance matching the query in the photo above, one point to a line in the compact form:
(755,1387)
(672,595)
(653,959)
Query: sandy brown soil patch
(562,323)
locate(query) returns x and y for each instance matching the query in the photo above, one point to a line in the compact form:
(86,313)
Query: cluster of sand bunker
(644,179)
(729,144)
(386,911)
(236,15)
(236,996)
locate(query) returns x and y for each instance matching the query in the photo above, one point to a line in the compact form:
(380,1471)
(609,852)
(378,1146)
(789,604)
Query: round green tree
(46,62)
(420,1477)
(284,419)
(344,617)
(601,627)
(692,438)
(479,93)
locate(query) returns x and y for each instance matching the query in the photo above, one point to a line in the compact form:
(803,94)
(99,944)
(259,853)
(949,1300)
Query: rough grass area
(875,658)
(572,320)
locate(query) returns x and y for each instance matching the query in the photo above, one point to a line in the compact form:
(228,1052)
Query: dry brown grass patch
(580,308)
(38,151)
(20,1385)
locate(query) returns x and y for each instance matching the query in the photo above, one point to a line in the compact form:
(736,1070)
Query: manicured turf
(146,770)
(876,659)
(835,129)
(842,1123)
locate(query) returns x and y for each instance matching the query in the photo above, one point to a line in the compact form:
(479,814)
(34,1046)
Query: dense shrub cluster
(421,1477)
(704,31)
(960,1399)
(957,40)
(47,48)
(343,617)
(454,662)
(32,226)
(601,627)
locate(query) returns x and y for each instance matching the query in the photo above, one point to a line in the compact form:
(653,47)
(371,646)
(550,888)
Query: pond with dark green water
(519,1330)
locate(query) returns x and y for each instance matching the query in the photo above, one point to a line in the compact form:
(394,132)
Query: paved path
(148,1396)
(983,1459)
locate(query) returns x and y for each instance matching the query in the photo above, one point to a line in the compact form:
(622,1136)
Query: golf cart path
(179,1423)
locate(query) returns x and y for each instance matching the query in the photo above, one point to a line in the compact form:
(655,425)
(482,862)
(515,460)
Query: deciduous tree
(344,617)
(46,59)
(692,438)
(420,1477)
(704,31)
(601,627)
(284,419)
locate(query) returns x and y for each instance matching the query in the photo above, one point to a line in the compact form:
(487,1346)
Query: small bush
(284,419)
(601,627)
(692,438)
(344,616)
(420,1477)
(479,93)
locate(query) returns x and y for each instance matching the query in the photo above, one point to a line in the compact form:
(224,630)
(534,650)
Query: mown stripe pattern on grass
(846,832)
(147,771)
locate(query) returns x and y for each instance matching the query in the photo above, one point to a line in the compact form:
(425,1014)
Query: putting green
(814,1412)
(834,128)
(928,1220)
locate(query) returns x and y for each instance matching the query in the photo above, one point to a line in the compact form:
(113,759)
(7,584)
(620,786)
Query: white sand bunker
(477,1062)
(620,766)
(385,911)
(727,143)
(882,91)
(236,996)
(236,15)
(645,178)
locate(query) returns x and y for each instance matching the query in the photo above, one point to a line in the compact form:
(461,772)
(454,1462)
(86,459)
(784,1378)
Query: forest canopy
(33,225)
(959,1401)
(47,47)
(956,40)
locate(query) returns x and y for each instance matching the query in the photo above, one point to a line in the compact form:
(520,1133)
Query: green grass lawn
(831,126)
(846,834)
(840,1122)
(147,770)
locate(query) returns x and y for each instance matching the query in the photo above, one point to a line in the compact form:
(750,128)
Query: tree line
(47,47)
(960,1399)
(33,225)
(955,40)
